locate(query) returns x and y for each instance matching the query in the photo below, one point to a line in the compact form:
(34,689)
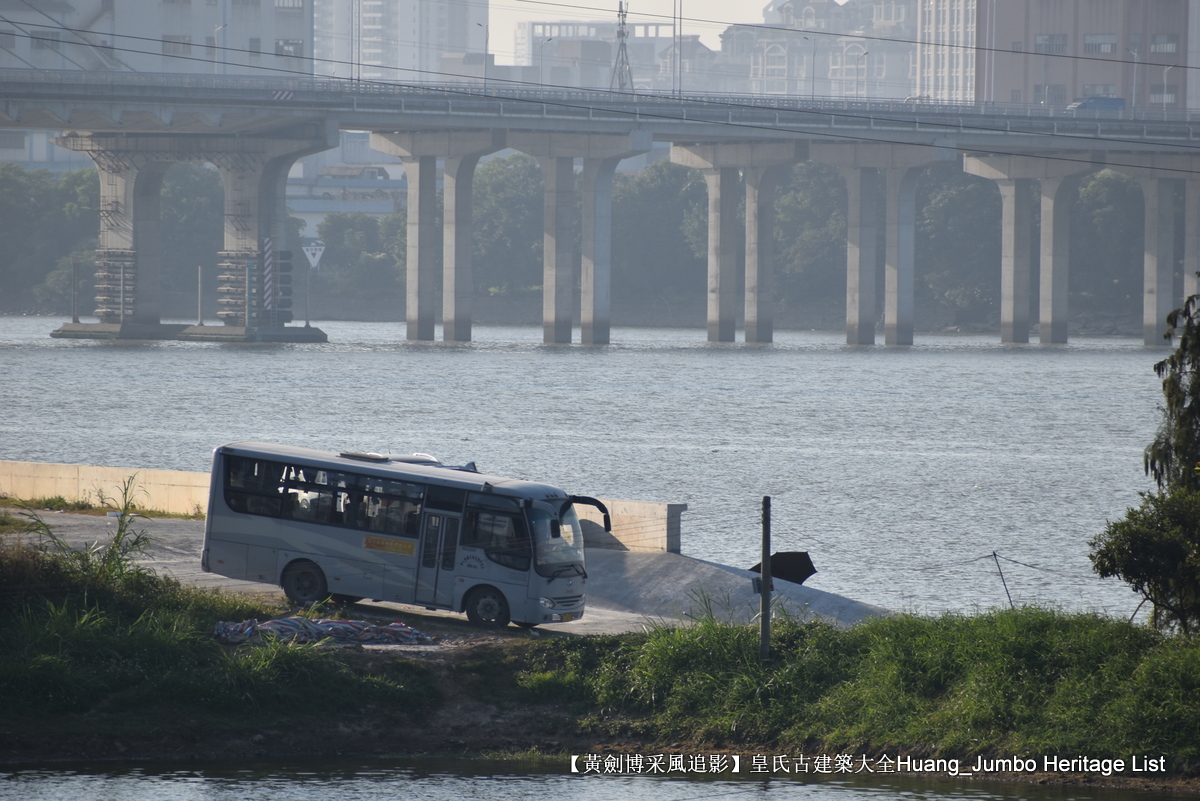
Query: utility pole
(764,588)
(622,75)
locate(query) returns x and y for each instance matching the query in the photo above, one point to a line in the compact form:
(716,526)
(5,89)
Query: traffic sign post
(313,253)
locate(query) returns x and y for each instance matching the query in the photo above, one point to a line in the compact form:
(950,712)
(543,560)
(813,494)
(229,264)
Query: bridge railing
(15,83)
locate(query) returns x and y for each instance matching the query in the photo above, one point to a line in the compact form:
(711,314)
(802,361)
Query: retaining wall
(636,525)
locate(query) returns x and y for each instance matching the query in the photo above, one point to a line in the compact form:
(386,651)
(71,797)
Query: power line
(709,100)
(762,26)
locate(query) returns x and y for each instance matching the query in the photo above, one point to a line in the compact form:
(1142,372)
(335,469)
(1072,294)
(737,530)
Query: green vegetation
(90,632)
(659,247)
(1156,547)
(1015,681)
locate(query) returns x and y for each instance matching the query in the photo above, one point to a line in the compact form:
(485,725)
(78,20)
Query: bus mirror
(590,502)
(555,529)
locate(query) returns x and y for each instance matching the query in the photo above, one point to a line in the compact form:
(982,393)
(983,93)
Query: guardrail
(18,82)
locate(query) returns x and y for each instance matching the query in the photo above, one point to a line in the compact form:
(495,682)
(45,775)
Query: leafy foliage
(1106,244)
(1156,550)
(1012,681)
(652,253)
(93,632)
(810,235)
(364,257)
(958,241)
(507,229)
(46,220)
(1172,458)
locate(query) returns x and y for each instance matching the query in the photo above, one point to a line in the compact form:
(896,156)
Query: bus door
(435,570)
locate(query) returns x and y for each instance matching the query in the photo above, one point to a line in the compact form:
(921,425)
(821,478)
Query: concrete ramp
(676,588)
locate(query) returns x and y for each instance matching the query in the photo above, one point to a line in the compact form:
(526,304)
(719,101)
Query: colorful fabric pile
(304,630)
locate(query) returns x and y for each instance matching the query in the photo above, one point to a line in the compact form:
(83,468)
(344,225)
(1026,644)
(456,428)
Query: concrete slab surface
(627,591)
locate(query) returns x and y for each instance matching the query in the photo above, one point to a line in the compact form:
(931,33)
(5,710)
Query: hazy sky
(704,17)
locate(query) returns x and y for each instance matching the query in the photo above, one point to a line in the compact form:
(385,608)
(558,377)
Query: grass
(102,504)
(89,632)
(1019,681)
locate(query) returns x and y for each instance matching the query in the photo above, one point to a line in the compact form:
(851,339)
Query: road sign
(313,252)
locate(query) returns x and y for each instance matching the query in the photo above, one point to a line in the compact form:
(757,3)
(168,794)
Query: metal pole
(1134,53)
(1164,92)
(996,559)
(813,77)
(307,293)
(764,602)
(74,290)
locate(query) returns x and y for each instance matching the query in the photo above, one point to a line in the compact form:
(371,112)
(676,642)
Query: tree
(1171,459)
(1156,550)
(360,263)
(507,246)
(651,254)
(1106,244)
(193,225)
(958,241)
(46,219)
(810,235)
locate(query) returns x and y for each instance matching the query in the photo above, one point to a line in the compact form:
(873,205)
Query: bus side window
(500,534)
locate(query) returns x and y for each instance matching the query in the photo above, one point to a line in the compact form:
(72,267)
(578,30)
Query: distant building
(397,40)
(575,53)
(825,48)
(352,178)
(234,37)
(1053,53)
(1034,52)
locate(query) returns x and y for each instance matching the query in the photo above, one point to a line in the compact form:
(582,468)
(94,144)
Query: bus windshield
(558,540)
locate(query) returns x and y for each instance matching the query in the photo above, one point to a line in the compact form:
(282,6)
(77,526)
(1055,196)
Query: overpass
(252,130)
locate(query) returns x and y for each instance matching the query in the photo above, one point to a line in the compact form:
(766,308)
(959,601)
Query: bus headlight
(547,602)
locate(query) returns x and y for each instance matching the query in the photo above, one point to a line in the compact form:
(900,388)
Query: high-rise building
(234,37)
(397,40)
(1051,53)
(835,48)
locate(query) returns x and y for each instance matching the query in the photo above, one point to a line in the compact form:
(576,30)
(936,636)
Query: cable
(847,35)
(706,101)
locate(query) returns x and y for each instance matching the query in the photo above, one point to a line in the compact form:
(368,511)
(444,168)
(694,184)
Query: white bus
(408,529)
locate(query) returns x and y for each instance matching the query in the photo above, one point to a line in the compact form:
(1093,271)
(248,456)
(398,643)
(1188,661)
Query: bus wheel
(304,583)
(487,608)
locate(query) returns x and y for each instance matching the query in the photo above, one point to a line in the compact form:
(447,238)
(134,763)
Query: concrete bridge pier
(1016,238)
(1059,182)
(129,264)
(556,154)
(722,165)
(461,151)
(129,255)
(862,228)
(254,173)
(1162,177)
(1158,267)
(595,303)
(862,166)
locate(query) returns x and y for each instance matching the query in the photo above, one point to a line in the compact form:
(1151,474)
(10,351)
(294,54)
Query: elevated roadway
(135,126)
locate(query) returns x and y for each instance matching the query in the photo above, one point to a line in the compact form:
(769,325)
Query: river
(491,780)
(901,470)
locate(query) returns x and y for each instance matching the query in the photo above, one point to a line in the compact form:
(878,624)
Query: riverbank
(124,666)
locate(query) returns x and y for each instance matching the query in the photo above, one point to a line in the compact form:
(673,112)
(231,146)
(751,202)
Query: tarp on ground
(305,630)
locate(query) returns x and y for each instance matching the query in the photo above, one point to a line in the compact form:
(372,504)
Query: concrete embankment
(637,574)
(627,590)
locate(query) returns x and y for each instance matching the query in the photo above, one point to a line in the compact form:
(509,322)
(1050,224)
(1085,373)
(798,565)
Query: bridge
(252,130)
